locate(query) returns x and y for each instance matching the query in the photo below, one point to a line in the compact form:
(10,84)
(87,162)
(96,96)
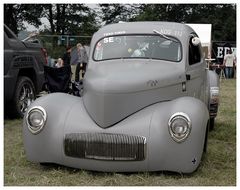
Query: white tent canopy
(204,33)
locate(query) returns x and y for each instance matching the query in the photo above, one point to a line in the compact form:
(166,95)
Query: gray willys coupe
(147,103)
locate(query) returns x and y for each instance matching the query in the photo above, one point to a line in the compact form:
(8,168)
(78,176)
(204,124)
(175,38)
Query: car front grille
(104,146)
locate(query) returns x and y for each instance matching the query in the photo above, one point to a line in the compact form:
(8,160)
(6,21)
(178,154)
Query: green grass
(218,166)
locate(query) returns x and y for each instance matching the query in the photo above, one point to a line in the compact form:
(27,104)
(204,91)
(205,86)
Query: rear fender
(213,93)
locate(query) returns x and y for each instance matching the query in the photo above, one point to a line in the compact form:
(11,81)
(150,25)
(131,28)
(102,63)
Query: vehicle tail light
(214,95)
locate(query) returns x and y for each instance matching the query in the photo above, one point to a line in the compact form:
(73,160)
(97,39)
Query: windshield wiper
(164,36)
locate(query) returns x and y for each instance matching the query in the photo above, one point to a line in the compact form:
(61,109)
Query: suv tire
(24,95)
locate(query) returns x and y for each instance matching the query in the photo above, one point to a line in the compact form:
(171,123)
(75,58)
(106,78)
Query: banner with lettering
(219,49)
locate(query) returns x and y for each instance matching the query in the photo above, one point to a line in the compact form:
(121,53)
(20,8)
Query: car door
(195,69)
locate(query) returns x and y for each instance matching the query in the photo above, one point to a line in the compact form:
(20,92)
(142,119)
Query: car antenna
(163,35)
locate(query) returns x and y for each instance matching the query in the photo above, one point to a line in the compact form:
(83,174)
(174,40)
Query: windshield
(138,46)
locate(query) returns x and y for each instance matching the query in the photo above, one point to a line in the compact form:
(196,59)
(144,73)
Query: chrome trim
(37,129)
(214,95)
(105,146)
(182,116)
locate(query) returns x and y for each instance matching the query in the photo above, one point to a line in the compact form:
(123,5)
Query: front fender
(184,156)
(47,145)
(66,114)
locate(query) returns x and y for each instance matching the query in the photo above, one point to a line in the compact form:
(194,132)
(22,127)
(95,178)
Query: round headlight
(179,126)
(36,119)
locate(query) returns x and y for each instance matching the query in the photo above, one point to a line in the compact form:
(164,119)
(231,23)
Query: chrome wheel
(26,97)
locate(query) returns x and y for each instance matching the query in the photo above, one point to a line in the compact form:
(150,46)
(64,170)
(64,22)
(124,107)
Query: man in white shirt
(229,63)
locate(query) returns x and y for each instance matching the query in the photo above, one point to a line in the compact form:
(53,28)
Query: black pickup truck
(23,73)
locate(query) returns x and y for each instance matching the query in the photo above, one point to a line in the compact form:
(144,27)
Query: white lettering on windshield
(108,40)
(178,33)
(114,33)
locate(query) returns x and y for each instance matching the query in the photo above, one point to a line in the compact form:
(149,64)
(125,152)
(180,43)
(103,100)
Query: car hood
(113,90)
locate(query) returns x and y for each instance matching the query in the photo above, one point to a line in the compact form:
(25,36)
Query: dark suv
(23,73)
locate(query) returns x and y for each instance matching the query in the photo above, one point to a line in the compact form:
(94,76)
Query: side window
(194,53)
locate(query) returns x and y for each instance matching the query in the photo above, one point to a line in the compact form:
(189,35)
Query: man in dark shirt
(67,56)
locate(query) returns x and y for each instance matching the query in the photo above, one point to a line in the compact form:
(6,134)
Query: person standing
(67,56)
(82,61)
(229,63)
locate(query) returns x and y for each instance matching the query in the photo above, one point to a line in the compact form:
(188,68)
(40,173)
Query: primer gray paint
(133,97)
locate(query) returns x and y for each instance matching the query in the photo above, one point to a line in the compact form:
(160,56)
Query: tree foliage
(221,16)
(16,14)
(113,13)
(75,19)
(79,19)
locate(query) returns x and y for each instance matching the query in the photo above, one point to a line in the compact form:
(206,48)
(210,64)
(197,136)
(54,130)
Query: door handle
(188,77)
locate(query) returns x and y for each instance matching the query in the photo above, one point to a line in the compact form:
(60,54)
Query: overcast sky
(33,28)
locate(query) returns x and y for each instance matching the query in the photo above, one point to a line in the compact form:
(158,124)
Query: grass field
(218,166)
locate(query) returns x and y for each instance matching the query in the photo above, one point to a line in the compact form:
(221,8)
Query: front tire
(212,122)
(206,137)
(24,95)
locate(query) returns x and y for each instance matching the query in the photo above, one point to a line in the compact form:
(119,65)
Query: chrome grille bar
(104,146)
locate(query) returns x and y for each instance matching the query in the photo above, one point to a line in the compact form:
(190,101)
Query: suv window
(138,46)
(194,53)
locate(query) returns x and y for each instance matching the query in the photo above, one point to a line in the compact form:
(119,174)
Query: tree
(16,14)
(221,16)
(113,13)
(70,19)
(56,15)
(79,19)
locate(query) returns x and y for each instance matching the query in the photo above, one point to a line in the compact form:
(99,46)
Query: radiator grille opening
(104,146)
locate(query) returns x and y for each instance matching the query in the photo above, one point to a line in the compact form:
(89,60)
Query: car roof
(174,29)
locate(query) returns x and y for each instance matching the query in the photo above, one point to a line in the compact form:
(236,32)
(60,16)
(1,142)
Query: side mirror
(196,41)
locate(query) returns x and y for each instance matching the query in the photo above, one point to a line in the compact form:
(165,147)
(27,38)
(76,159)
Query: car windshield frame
(110,39)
